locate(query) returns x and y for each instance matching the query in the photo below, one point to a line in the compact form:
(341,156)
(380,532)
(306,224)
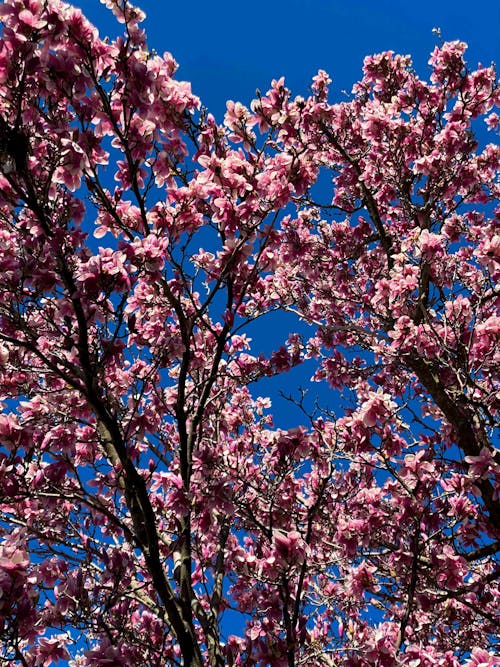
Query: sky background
(227,48)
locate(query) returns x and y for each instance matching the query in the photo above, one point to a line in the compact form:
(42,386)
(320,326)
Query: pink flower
(492,121)
(482,658)
(13,561)
(289,547)
(482,465)
(377,406)
(29,19)
(50,650)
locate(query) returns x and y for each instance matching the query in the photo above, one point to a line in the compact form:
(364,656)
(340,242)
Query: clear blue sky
(229,48)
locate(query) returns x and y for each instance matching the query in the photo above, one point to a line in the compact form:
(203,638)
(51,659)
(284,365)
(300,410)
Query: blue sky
(229,48)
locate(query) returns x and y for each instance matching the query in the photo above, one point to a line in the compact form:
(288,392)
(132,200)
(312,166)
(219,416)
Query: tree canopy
(152,512)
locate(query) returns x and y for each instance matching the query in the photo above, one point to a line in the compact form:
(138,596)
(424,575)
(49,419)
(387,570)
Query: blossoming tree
(150,511)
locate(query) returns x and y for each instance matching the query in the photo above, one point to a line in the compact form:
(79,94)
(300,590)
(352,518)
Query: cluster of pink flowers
(147,490)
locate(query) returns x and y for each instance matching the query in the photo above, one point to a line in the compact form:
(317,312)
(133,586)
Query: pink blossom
(492,121)
(481,658)
(13,561)
(482,464)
